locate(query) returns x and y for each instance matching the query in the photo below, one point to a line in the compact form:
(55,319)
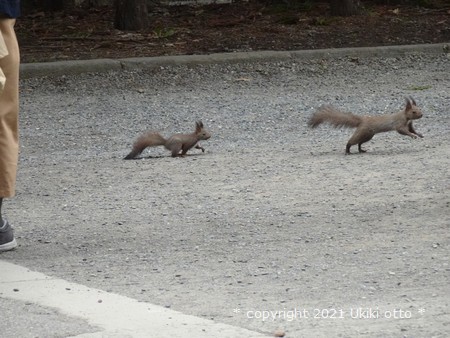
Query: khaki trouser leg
(9,110)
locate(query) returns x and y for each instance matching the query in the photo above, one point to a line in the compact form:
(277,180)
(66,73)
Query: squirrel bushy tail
(150,139)
(334,117)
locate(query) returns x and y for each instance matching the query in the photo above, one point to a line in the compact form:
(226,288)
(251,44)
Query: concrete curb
(112,314)
(75,67)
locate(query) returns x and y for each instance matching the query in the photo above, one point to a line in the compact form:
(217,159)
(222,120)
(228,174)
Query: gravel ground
(272,217)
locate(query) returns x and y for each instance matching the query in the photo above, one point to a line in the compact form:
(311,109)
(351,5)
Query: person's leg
(9,135)
(9,111)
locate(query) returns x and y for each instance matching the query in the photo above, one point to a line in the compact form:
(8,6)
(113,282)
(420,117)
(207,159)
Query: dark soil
(241,26)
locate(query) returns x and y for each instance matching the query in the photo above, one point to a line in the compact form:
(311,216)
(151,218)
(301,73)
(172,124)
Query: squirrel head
(201,132)
(412,112)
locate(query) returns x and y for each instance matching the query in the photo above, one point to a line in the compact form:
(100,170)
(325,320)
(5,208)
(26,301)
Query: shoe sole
(8,246)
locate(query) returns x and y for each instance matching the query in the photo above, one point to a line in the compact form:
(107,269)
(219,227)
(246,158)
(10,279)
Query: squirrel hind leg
(359,137)
(347,149)
(353,140)
(176,152)
(366,138)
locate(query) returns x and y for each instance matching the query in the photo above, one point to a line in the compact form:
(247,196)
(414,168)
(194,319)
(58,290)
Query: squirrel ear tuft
(408,104)
(412,101)
(199,124)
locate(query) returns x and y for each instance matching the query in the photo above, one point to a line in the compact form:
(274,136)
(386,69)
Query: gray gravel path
(272,217)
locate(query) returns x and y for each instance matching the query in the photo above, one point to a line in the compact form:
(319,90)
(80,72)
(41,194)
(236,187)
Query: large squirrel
(368,126)
(175,143)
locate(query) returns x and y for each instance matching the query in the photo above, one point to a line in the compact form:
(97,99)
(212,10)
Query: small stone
(279,333)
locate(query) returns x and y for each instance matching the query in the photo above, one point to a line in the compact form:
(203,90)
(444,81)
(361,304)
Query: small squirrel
(175,143)
(368,126)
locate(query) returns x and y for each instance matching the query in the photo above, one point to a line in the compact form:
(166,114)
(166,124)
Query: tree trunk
(345,7)
(131,15)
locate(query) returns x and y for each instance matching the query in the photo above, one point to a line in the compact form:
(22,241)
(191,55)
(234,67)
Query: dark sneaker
(7,241)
